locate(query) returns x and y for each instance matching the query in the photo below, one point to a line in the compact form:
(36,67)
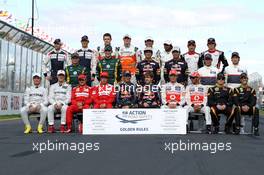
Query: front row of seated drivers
(214,101)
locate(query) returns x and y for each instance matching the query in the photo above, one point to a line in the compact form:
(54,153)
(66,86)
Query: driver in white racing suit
(149,42)
(218,58)
(165,56)
(234,71)
(208,72)
(36,101)
(191,57)
(59,98)
(196,98)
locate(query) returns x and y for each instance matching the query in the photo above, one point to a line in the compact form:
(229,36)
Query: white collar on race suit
(85,49)
(235,65)
(128,46)
(57,51)
(174,84)
(208,67)
(167,52)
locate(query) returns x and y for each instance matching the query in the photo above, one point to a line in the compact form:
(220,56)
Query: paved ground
(128,155)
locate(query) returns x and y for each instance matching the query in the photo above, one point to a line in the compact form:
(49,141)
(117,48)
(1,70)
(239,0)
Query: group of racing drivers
(126,77)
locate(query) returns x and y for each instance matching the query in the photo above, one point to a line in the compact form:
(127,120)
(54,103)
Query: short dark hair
(220,76)
(107,34)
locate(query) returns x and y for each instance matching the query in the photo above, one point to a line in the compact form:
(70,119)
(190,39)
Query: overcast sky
(236,25)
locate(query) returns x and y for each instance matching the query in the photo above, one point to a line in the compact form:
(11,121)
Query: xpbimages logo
(212,147)
(79,147)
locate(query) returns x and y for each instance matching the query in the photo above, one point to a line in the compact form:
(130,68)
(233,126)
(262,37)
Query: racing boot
(62,128)
(227,129)
(28,129)
(234,127)
(208,129)
(237,130)
(40,129)
(256,132)
(69,128)
(216,130)
(80,128)
(51,129)
(255,122)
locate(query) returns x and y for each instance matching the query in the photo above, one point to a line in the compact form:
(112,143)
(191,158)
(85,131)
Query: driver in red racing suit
(104,93)
(80,99)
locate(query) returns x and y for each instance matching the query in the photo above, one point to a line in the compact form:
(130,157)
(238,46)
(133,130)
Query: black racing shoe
(234,127)
(208,129)
(227,130)
(256,132)
(237,131)
(216,130)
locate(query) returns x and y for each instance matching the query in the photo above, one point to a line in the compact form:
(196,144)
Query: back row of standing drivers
(129,58)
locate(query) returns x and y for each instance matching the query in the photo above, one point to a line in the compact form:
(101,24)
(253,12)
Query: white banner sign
(10,103)
(134,121)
